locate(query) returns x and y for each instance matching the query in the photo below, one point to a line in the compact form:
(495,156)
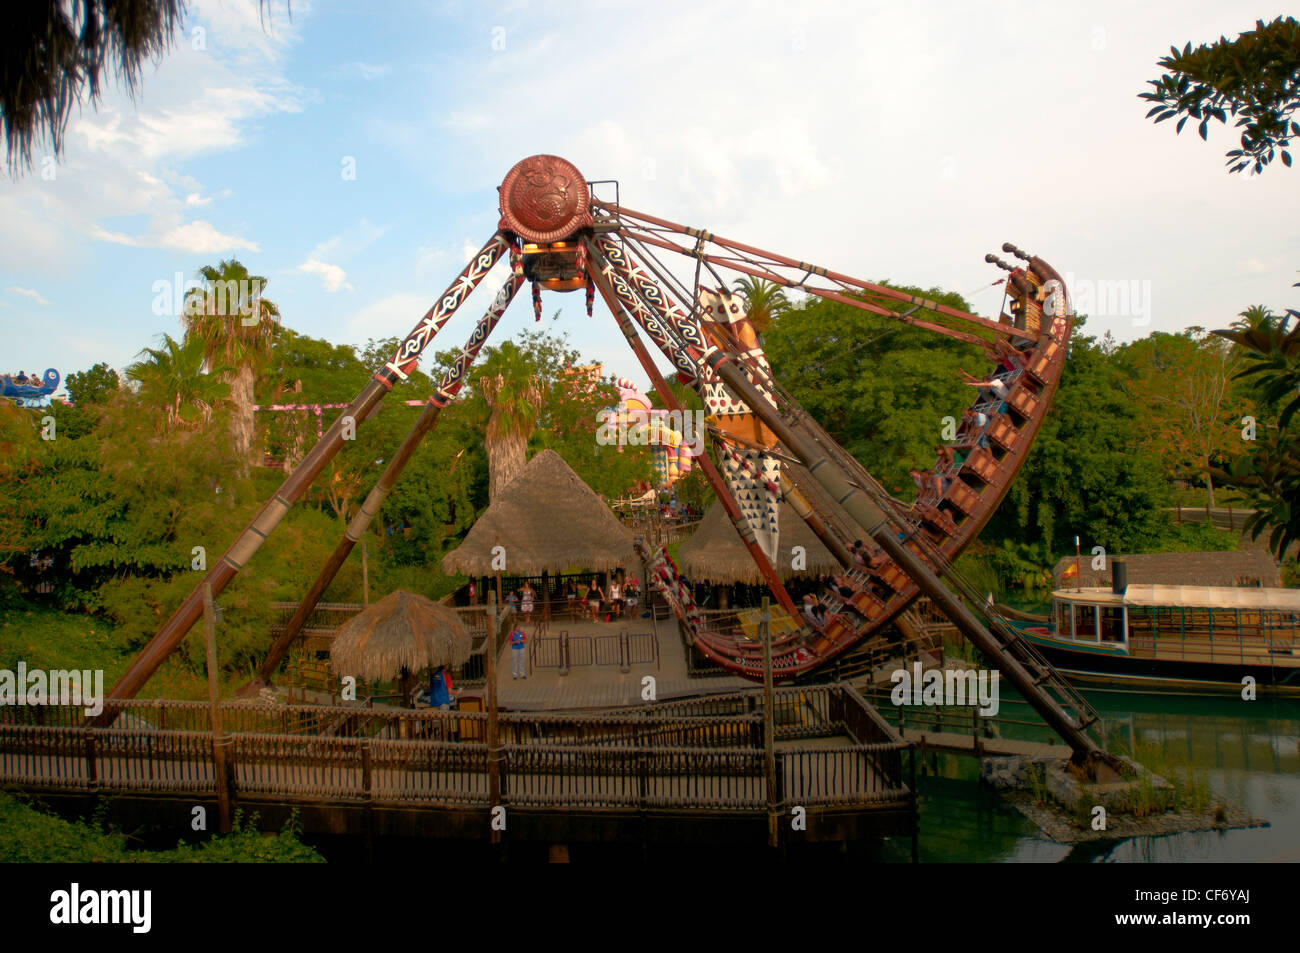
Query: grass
(46,638)
(29,834)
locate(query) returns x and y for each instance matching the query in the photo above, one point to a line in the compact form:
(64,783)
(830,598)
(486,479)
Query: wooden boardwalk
(969,744)
(693,769)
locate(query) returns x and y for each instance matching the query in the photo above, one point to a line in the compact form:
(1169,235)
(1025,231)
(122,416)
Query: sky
(351,152)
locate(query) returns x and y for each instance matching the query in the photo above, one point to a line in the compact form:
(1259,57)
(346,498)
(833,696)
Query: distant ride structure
(29,390)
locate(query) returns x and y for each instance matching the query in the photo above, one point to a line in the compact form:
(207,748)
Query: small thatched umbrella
(399,634)
(547,520)
(715,553)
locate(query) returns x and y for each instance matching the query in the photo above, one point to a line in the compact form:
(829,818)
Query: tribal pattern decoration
(612,266)
(408,353)
(454,377)
(662,573)
(754,476)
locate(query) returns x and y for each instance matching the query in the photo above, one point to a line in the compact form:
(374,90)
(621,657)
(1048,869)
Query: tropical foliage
(1255,79)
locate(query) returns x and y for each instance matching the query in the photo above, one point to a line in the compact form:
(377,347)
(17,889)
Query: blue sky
(887,140)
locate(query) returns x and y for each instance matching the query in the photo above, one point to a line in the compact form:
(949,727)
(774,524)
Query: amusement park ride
(29,390)
(558,236)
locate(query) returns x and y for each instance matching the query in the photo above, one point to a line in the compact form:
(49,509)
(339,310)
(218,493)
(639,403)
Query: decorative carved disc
(544,199)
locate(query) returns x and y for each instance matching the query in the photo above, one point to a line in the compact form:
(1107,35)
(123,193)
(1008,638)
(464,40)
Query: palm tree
(765,301)
(58,55)
(514,394)
(172,378)
(236,326)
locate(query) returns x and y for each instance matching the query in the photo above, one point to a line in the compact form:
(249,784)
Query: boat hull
(1113,667)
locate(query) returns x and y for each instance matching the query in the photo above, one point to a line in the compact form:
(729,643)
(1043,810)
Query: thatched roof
(548,520)
(1240,568)
(715,553)
(399,631)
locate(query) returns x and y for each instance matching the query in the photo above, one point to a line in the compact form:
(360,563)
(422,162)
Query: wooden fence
(697,754)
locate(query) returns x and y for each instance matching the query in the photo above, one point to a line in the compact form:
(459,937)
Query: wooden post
(769,726)
(214,712)
(365,573)
(493,726)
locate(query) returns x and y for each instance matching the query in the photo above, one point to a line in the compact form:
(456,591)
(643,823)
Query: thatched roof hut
(400,631)
(1240,568)
(715,553)
(548,520)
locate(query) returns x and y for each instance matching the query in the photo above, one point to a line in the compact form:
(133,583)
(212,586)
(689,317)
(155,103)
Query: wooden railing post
(220,776)
(769,728)
(92,768)
(493,725)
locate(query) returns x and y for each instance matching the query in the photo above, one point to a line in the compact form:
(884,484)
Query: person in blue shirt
(518,662)
(440,688)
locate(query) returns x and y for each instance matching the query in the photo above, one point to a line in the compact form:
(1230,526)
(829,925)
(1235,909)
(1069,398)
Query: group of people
(933,484)
(27,380)
(840,590)
(582,598)
(622,596)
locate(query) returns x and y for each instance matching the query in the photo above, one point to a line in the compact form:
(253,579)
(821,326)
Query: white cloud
(202,238)
(28,293)
(370,71)
(333,278)
(118,157)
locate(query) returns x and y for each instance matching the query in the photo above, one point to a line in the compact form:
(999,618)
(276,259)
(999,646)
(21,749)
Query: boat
(1186,639)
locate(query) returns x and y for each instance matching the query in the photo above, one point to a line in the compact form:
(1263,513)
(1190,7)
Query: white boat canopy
(1206,597)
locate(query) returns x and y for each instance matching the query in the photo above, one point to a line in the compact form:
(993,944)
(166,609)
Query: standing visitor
(526,600)
(616,598)
(594,598)
(518,663)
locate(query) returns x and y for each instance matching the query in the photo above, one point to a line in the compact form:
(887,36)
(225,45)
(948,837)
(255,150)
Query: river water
(1247,752)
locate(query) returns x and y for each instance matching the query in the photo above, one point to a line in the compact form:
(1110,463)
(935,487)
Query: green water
(1248,753)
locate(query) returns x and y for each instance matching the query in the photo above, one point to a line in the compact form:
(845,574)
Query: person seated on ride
(992,388)
(20,380)
(973,423)
(859,552)
(1009,358)
(812,611)
(840,587)
(947,455)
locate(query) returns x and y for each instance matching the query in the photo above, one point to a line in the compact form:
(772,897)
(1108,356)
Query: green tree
(513,391)
(765,301)
(881,388)
(236,326)
(94,386)
(1269,473)
(1082,476)
(174,380)
(1190,406)
(1254,78)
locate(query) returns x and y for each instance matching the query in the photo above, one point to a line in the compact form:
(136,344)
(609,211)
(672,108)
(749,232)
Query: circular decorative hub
(544,199)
